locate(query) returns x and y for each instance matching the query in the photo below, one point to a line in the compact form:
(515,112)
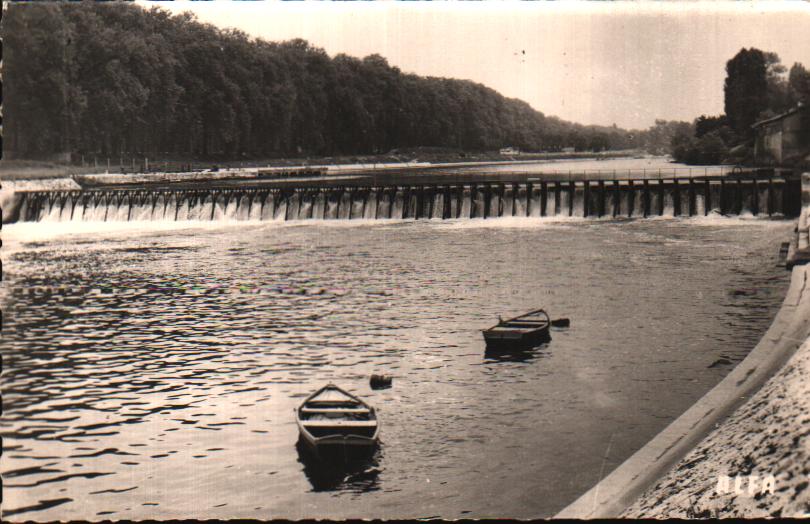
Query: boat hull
(524,331)
(336,441)
(505,341)
(332,420)
(336,449)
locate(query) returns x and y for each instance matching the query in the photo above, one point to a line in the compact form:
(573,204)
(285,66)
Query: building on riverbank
(784,139)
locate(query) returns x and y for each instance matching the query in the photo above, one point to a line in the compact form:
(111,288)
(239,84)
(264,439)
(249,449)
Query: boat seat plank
(335,410)
(332,405)
(339,423)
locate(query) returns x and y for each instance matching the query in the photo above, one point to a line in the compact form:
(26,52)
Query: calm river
(151,370)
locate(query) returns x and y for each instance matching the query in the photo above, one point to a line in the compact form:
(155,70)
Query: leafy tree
(116,79)
(37,78)
(799,84)
(705,124)
(778,91)
(746,89)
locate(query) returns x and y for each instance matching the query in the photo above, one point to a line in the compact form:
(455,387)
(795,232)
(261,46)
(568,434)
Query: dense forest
(115,79)
(757,87)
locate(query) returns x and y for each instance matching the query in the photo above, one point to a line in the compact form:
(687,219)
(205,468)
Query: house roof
(779,117)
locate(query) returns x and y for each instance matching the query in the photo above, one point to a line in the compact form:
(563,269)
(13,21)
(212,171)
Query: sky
(599,63)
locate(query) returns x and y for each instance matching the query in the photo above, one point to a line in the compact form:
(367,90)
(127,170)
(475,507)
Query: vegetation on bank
(757,87)
(115,80)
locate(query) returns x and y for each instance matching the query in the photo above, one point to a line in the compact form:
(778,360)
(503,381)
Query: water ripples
(142,370)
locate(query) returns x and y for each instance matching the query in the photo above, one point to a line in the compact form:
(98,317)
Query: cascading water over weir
(616,198)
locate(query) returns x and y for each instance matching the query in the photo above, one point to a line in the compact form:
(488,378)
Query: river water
(151,369)
(652,167)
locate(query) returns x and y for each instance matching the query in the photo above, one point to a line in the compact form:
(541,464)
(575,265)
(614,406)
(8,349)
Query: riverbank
(34,170)
(756,464)
(742,449)
(769,436)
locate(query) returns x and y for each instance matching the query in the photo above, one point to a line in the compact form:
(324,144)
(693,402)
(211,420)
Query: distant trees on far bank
(757,87)
(114,79)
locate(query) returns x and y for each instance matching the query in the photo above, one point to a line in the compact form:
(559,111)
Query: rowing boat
(527,330)
(332,418)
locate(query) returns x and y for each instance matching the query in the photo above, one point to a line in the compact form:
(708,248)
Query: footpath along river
(151,369)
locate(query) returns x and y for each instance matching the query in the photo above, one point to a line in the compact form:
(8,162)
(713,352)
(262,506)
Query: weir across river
(727,195)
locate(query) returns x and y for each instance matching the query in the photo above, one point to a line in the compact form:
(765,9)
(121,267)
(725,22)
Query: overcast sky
(593,63)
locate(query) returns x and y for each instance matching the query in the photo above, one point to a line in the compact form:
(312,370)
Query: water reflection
(517,354)
(341,469)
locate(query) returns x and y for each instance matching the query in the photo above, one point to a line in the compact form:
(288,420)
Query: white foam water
(551,201)
(413,202)
(141,211)
(579,201)
(291,211)
(305,207)
(437,210)
(195,211)
(399,205)
(564,206)
(280,211)
(319,206)
(466,203)
(345,207)
(624,203)
(255,207)
(669,204)
(370,210)
(269,208)
(78,212)
(494,210)
(454,207)
(357,206)
(700,204)
(507,202)
(243,210)
(521,202)
(332,204)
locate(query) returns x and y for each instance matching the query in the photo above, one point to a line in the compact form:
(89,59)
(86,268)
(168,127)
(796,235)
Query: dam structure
(760,196)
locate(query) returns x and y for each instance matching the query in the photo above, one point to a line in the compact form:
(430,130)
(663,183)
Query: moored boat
(523,331)
(332,418)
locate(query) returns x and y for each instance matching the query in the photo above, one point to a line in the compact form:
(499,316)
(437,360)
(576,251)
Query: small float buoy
(380,381)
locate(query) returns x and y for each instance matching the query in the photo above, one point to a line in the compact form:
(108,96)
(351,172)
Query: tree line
(757,86)
(116,79)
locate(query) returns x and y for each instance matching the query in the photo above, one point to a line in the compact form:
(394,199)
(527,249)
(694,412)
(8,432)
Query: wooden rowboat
(523,331)
(332,418)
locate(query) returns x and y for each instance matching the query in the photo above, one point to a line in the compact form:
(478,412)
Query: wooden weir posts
(755,194)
